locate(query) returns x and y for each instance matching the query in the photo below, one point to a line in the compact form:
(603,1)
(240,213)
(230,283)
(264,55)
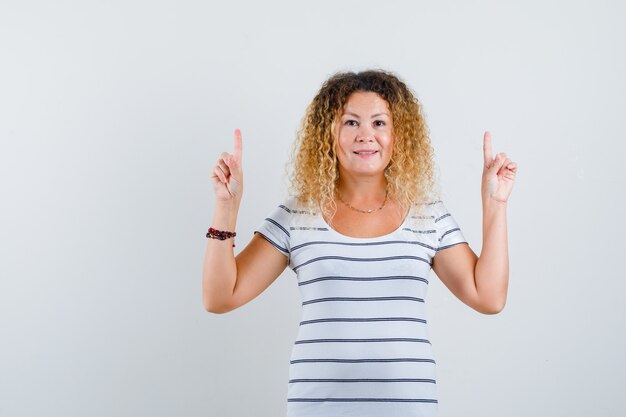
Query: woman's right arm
(229,282)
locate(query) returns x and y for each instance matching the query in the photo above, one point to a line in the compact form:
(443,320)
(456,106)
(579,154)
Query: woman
(363,230)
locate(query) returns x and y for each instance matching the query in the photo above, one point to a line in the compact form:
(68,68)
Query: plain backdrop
(112,115)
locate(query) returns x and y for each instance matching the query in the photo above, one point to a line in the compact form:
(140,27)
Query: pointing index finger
(487,149)
(238,144)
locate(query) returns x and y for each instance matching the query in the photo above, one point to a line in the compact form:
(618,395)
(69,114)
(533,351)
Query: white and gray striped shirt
(362,348)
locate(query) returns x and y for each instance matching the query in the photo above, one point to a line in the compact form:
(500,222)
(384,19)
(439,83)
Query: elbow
(216,309)
(213,307)
(493,308)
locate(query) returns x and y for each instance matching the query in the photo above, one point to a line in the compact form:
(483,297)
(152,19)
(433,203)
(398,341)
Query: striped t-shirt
(362,347)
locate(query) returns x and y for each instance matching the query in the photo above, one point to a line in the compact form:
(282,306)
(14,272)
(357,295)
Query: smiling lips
(365,153)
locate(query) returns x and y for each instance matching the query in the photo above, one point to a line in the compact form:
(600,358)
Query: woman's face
(365,141)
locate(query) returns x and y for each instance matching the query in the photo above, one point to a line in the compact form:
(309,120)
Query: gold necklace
(364,211)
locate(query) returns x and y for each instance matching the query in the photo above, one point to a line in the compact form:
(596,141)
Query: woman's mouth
(365,153)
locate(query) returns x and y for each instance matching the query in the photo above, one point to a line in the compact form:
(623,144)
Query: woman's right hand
(227,175)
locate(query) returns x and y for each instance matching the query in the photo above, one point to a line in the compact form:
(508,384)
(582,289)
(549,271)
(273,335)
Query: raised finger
(487,149)
(238,145)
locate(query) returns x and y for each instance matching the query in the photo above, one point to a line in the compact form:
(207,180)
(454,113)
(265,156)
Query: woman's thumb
(234,166)
(497,163)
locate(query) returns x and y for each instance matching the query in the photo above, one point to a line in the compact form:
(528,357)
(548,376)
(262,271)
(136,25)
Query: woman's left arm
(482,282)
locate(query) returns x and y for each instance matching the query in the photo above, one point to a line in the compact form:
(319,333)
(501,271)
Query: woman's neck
(365,191)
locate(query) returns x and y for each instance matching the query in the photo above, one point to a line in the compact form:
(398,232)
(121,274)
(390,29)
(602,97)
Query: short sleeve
(275,229)
(448,231)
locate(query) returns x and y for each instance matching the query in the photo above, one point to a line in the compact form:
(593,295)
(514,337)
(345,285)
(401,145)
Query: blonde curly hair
(314,164)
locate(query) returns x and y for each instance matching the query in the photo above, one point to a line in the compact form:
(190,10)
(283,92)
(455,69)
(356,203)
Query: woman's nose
(365,135)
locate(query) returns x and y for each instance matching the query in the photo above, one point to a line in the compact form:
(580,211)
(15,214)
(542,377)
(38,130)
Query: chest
(366,225)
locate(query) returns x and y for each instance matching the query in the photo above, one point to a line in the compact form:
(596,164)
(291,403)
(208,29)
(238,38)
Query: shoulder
(290,212)
(429,210)
(292,206)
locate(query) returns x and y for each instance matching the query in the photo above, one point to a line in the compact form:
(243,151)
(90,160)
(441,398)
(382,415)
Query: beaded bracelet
(220,234)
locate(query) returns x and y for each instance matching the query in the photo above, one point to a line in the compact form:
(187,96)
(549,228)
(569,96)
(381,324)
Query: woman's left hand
(498,174)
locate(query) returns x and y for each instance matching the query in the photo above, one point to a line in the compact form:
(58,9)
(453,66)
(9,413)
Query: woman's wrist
(228,205)
(225,215)
(494,203)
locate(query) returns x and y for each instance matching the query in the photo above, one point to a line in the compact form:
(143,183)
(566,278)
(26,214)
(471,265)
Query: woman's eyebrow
(373,115)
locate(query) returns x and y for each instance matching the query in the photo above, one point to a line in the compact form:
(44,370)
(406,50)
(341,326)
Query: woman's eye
(351,122)
(379,123)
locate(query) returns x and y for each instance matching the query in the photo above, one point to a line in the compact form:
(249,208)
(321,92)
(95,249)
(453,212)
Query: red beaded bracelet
(220,234)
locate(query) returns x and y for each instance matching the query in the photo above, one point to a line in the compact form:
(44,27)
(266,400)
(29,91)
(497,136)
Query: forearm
(492,268)
(220,269)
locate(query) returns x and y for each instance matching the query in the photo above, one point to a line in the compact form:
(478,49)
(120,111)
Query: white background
(112,115)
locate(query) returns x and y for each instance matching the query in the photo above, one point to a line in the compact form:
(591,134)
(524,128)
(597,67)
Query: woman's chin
(365,172)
